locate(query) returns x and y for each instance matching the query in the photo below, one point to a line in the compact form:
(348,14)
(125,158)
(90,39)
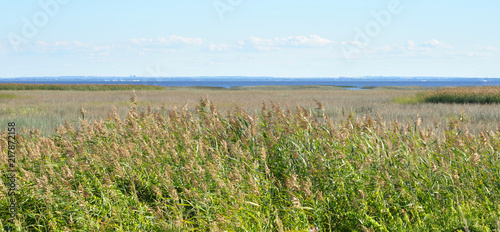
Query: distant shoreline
(234,82)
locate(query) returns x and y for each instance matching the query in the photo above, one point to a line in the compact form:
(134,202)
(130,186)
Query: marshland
(314,158)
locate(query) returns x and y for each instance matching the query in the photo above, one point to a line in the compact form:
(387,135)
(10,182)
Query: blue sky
(282,38)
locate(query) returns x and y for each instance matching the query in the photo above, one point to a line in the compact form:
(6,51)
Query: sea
(241,81)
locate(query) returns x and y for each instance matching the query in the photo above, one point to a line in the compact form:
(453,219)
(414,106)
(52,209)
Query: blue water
(228,82)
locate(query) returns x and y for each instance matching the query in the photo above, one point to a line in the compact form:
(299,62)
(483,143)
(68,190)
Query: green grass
(277,170)
(77,87)
(416,99)
(7,96)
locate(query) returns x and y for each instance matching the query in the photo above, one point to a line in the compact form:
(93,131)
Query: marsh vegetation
(214,165)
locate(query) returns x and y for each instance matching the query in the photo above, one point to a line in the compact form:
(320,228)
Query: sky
(280,38)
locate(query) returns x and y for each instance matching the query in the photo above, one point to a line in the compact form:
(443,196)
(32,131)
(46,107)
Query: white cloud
(425,46)
(490,48)
(411,49)
(168,41)
(223,47)
(142,46)
(432,48)
(410,45)
(277,43)
(52,47)
(354,43)
(434,43)
(106,48)
(312,41)
(470,54)
(75,46)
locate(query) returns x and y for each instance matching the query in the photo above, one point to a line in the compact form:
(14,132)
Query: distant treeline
(77,87)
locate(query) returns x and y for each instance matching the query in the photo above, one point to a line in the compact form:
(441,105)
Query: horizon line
(232,76)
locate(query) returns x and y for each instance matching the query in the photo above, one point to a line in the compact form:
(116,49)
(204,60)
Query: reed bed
(77,87)
(45,109)
(280,169)
(461,95)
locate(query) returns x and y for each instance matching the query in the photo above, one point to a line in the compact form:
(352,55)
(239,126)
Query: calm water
(228,82)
